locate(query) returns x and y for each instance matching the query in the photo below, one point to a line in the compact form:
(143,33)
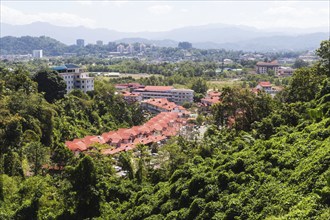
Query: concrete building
(80,42)
(142,47)
(130,48)
(131,97)
(285,71)
(179,96)
(99,43)
(37,53)
(75,78)
(265,67)
(120,48)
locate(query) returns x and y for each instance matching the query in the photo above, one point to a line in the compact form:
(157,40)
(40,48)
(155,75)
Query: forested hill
(26,44)
(272,163)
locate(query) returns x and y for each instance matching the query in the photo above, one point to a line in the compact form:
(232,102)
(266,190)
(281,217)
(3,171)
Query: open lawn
(224,83)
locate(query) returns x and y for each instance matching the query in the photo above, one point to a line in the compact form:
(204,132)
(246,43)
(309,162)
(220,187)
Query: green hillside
(272,162)
(26,44)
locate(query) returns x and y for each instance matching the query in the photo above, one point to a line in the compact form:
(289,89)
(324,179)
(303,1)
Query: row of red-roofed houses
(162,105)
(157,129)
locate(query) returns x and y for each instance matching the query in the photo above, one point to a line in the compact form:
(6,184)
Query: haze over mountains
(212,36)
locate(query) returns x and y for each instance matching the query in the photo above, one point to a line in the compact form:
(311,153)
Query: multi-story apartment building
(130,48)
(80,42)
(179,96)
(265,67)
(120,48)
(37,53)
(142,47)
(75,77)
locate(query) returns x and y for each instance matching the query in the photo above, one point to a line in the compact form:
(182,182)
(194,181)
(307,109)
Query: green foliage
(272,163)
(25,45)
(299,63)
(84,181)
(185,45)
(51,84)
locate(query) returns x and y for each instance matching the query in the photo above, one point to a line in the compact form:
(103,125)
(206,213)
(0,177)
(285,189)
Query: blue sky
(134,16)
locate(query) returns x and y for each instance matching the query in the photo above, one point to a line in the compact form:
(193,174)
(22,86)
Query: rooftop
(158,88)
(264,84)
(273,63)
(65,67)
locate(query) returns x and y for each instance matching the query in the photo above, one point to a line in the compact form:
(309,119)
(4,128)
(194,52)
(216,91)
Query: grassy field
(225,83)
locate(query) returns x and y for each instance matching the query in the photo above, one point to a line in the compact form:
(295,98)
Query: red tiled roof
(264,84)
(273,63)
(213,94)
(158,88)
(163,104)
(160,122)
(212,100)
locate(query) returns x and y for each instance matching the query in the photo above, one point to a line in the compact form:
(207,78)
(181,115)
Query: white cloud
(184,10)
(118,4)
(85,2)
(290,11)
(160,9)
(13,16)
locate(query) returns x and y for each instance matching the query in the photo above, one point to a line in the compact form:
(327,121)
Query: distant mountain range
(213,36)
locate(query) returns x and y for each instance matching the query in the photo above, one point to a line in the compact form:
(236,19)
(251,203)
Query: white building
(120,48)
(75,78)
(130,48)
(37,53)
(142,47)
(179,96)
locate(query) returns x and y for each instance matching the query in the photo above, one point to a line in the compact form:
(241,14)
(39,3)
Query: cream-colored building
(75,78)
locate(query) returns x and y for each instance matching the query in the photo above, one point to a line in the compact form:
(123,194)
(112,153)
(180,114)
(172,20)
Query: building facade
(178,96)
(265,67)
(120,48)
(37,53)
(80,42)
(75,78)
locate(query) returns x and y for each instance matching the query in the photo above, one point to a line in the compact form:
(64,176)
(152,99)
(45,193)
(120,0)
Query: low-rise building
(267,87)
(129,86)
(211,98)
(131,97)
(75,77)
(285,71)
(265,67)
(179,96)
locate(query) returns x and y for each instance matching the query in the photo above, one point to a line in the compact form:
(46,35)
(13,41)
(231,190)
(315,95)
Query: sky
(135,16)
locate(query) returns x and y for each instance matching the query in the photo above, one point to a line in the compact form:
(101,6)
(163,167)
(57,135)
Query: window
(82,86)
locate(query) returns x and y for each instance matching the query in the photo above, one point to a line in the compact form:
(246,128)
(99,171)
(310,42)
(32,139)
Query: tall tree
(51,84)
(83,179)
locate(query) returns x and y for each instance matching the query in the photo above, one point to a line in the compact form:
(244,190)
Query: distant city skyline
(136,16)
